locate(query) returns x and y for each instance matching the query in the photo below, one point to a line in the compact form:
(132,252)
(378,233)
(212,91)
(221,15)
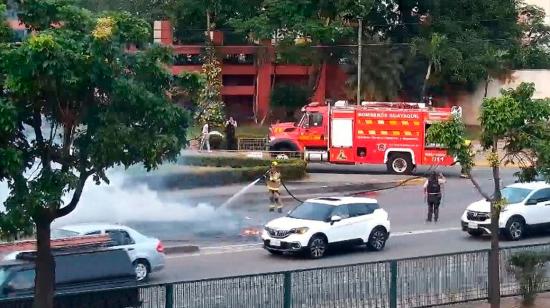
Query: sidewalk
(543,301)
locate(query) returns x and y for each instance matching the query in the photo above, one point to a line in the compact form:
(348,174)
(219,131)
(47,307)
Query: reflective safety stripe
(396,133)
(372,132)
(416,123)
(380,121)
(368,121)
(408,133)
(405,122)
(384,132)
(393,122)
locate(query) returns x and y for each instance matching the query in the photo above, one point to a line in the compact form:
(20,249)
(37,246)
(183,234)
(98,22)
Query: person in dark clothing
(230,127)
(433,193)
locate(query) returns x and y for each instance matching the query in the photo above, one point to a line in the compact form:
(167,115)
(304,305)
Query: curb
(485,163)
(181,249)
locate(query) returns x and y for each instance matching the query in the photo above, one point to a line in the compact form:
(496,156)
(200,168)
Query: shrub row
(232,161)
(222,176)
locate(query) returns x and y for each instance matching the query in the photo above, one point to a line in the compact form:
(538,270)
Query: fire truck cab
(373,133)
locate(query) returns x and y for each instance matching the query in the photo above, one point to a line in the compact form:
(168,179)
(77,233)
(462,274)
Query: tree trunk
(208,23)
(494,255)
(428,72)
(486,86)
(45,268)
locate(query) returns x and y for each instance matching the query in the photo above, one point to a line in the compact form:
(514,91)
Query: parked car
(146,253)
(318,224)
(101,277)
(527,208)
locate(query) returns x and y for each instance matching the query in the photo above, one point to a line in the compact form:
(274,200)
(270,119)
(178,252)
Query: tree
(517,122)
(435,49)
(381,71)
(533,53)
(77,103)
(186,89)
(469,29)
(210,105)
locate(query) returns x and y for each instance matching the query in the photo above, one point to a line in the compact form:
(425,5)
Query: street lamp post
(359,58)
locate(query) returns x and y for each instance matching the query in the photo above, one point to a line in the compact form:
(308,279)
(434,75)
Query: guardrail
(412,282)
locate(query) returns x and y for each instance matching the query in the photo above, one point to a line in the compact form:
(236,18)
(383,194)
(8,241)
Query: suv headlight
(300,230)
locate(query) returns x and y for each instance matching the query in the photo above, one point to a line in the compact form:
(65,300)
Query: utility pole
(359,58)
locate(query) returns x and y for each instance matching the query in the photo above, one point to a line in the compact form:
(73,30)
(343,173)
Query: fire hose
(401,183)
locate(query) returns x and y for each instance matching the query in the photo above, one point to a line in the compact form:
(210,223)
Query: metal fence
(253,144)
(413,282)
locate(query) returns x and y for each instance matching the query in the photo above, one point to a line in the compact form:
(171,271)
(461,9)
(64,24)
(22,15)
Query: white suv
(319,223)
(528,208)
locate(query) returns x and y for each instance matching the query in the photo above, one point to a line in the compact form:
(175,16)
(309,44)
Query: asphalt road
(411,236)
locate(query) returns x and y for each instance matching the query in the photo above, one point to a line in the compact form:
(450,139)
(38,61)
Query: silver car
(146,253)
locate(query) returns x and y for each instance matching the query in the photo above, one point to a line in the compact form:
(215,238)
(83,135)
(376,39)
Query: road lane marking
(216,250)
(417,232)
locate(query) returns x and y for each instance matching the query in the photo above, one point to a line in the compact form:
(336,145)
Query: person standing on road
(205,138)
(433,193)
(273,181)
(230,127)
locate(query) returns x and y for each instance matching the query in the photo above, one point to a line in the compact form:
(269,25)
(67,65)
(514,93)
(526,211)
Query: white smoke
(119,203)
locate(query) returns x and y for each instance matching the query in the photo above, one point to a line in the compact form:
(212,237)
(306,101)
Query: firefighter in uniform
(273,181)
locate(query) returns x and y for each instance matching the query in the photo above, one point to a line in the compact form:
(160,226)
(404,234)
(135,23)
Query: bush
(529,269)
(223,176)
(233,161)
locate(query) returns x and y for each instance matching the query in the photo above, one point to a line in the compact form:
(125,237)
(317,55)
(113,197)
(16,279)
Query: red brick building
(247,82)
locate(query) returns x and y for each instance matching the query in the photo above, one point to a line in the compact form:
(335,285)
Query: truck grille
(277,233)
(477,216)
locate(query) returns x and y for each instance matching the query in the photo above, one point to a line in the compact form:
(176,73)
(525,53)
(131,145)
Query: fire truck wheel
(400,163)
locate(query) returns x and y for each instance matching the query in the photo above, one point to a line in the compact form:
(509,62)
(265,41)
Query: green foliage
(290,95)
(229,170)
(231,161)
(452,135)
(529,268)
(6,34)
(381,71)
(515,119)
(77,104)
(186,89)
(210,106)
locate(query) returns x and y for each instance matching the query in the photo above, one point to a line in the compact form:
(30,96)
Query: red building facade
(247,80)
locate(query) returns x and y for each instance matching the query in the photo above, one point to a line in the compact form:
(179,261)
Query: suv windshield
(514,194)
(312,211)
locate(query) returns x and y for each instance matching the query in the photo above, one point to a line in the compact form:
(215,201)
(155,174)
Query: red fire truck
(373,133)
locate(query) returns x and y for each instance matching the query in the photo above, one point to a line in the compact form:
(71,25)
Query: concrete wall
(471,102)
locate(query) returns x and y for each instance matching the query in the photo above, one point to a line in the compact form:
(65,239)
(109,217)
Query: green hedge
(290,170)
(232,161)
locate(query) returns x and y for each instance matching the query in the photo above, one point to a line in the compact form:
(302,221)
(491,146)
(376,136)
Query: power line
(432,22)
(343,45)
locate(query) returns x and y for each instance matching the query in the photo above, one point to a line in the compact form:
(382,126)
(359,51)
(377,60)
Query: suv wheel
(142,270)
(317,247)
(515,229)
(377,239)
